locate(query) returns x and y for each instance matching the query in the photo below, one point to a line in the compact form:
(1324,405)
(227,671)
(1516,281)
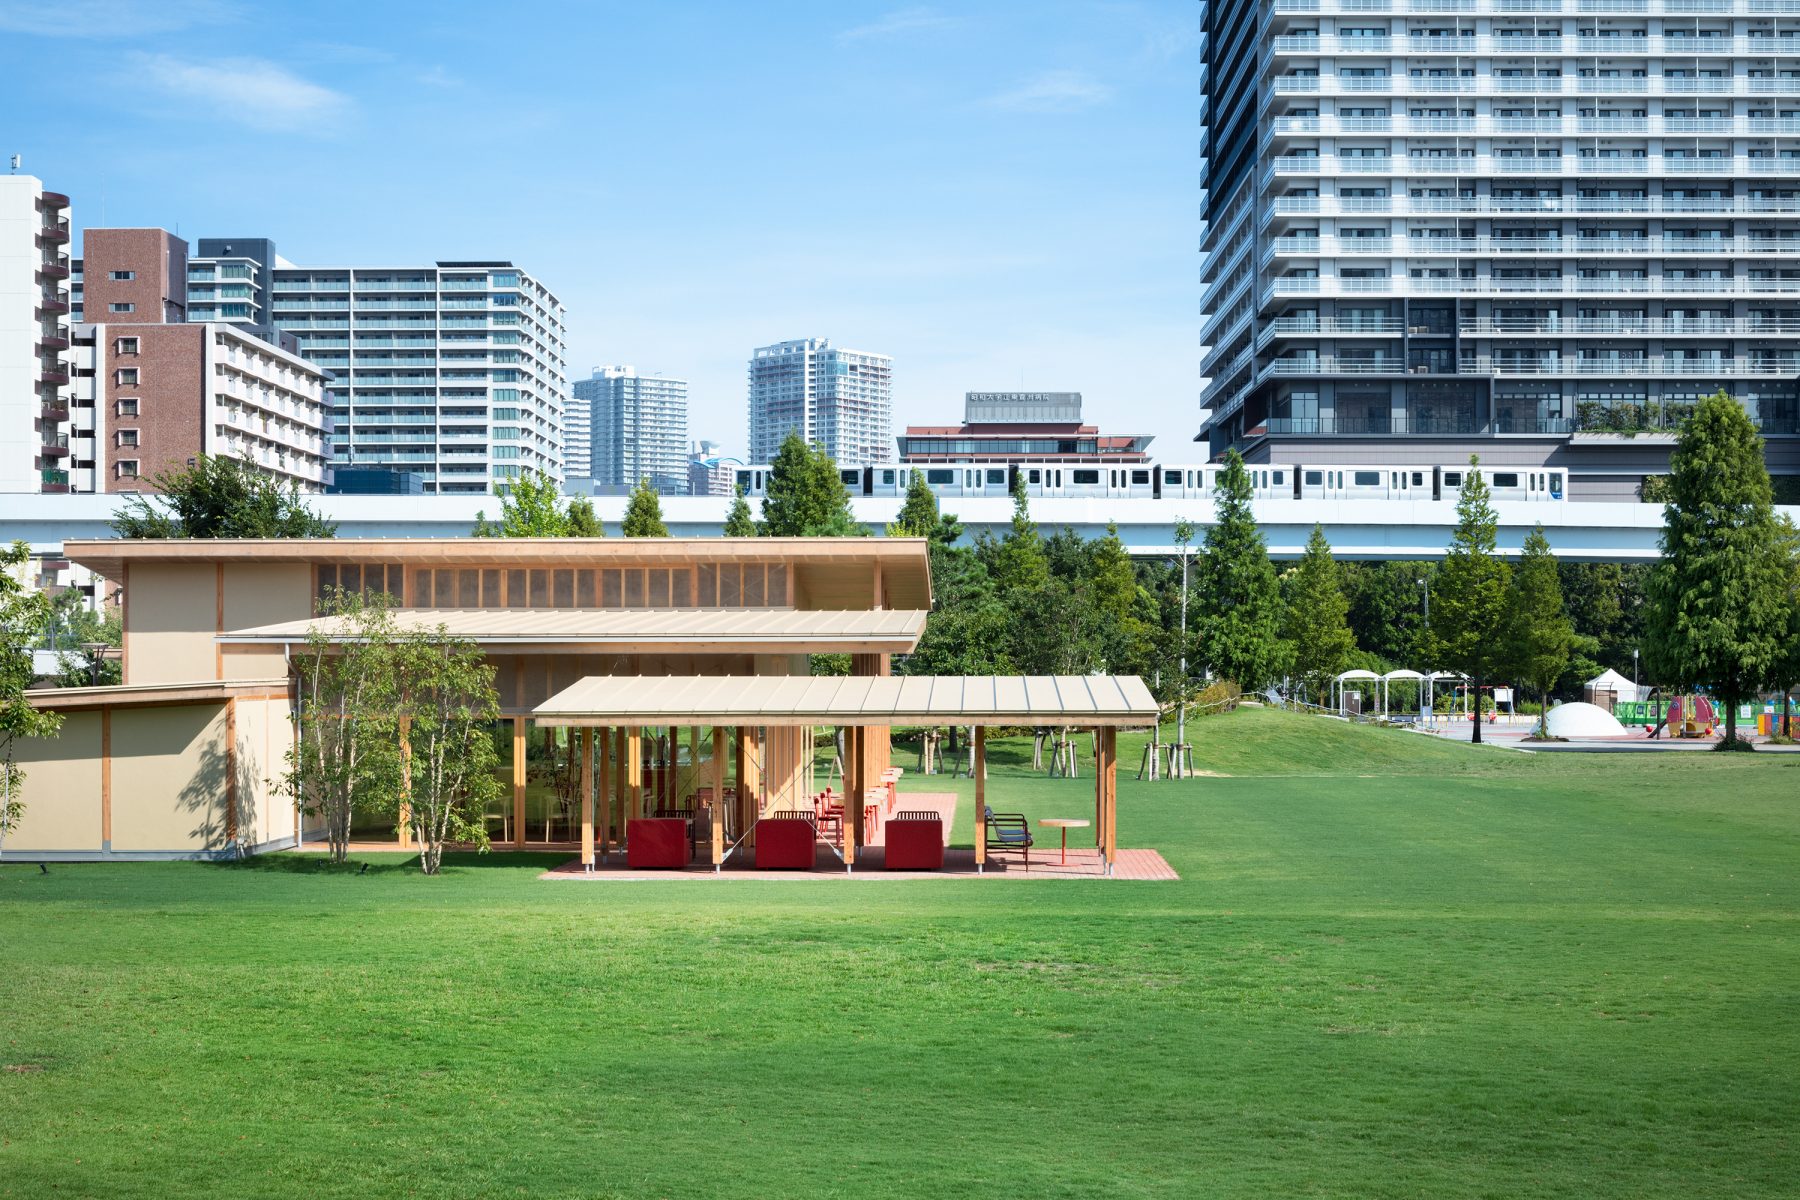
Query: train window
(1140,477)
(1556,483)
(851,476)
(1279,476)
(1418,479)
(1084,477)
(1172,477)
(1506,479)
(743,479)
(1453,479)
(887,477)
(996,475)
(1315,478)
(1035,476)
(940,478)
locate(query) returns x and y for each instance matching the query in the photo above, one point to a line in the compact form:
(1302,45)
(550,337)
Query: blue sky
(996,194)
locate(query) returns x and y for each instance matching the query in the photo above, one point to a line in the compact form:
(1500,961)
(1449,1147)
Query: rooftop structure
(1003,427)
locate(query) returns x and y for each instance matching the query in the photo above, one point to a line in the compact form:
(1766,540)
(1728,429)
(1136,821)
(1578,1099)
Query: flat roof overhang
(150,694)
(904,562)
(629,630)
(879,700)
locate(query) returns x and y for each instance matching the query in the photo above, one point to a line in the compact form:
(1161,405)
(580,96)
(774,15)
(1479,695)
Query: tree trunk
(1475,687)
(1787,716)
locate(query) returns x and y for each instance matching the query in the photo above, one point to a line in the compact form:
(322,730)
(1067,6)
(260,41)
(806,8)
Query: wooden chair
(1009,831)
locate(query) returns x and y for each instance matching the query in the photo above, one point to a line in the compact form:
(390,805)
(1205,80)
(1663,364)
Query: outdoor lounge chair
(1009,831)
(915,842)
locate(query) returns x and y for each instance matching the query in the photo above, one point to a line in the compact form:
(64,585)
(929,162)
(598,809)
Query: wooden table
(1065,824)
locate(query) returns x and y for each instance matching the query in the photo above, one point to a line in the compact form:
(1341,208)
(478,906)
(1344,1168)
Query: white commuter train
(1156,481)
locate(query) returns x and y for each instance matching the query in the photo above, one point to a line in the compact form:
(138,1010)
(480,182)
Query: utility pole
(1184,534)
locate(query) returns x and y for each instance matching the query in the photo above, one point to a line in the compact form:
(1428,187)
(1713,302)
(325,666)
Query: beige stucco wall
(264,593)
(264,733)
(168,778)
(62,788)
(171,615)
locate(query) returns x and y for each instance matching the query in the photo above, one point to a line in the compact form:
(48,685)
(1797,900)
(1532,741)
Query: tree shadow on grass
(399,862)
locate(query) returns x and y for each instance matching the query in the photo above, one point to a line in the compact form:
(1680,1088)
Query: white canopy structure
(1613,682)
(1401,674)
(1354,676)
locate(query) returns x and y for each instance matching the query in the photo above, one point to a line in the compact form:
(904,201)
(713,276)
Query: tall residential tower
(1536,230)
(638,427)
(34,336)
(841,399)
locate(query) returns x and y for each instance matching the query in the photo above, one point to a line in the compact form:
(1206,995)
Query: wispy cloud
(438,77)
(901,20)
(1053,92)
(251,91)
(109,18)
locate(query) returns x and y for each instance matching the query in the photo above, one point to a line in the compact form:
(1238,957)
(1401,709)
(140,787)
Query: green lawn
(1392,967)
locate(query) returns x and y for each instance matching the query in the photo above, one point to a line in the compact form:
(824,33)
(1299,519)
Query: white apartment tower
(34,337)
(1519,228)
(841,399)
(638,429)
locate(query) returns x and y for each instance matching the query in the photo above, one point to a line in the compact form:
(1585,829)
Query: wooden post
(718,793)
(694,760)
(586,745)
(603,797)
(634,772)
(855,789)
(742,787)
(1110,746)
(980,798)
(405,783)
(1099,807)
(518,783)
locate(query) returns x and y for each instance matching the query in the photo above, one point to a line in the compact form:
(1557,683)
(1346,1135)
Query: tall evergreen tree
(1240,597)
(739,522)
(643,513)
(1469,594)
(1537,624)
(1716,603)
(1316,624)
(806,496)
(582,520)
(918,516)
(1127,638)
(1019,564)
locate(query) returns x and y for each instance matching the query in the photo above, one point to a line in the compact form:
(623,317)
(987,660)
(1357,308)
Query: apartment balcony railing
(1397,423)
(1326,364)
(1724,368)
(1627,326)
(1565,125)
(1531,206)
(1484,286)
(1329,327)
(1657,45)
(1647,7)
(1564,85)
(1309,166)
(1426,247)
(53,479)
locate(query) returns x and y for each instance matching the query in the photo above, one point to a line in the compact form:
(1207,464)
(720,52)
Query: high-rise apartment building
(1536,230)
(638,429)
(454,370)
(34,337)
(578,440)
(840,399)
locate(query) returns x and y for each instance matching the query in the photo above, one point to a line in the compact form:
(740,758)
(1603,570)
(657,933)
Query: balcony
(1781,423)
(54,411)
(49,201)
(53,270)
(52,304)
(56,445)
(52,342)
(1328,364)
(1609,367)
(53,378)
(55,231)
(53,480)
(1396,423)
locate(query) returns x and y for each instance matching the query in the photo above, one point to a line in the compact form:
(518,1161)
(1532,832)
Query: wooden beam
(718,794)
(856,784)
(587,798)
(518,782)
(980,797)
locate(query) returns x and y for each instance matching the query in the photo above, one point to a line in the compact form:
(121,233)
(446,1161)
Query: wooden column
(405,783)
(518,783)
(980,797)
(694,760)
(587,798)
(856,783)
(1109,742)
(718,793)
(620,778)
(634,772)
(603,800)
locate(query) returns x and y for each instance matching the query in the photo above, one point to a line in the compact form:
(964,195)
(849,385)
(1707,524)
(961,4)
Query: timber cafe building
(611,657)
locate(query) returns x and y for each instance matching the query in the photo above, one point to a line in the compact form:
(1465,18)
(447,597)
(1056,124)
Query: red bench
(915,842)
(785,843)
(656,842)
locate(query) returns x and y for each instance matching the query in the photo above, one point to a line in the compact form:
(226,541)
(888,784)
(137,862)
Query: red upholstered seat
(915,842)
(656,842)
(784,843)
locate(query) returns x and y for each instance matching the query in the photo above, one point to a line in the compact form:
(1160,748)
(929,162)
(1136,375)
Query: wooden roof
(681,630)
(852,700)
(149,694)
(826,567)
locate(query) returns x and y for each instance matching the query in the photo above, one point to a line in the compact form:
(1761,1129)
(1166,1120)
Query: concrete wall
(157,781)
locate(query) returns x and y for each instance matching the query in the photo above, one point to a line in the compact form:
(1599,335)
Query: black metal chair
(1009,831)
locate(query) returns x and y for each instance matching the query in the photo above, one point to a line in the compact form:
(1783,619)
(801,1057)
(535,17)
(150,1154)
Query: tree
(74,625)
(1716,602)
(1469,595)
(1786,672)
(582,521)
(1018,562)
(739,522)
(1537,624)
(346,757)
(918,516)
(23,611)
(447,699)
(1239,629)
(1386,614)
(806,496)
(531,506)
(1316,611)
(1123,608)
(643,513)
(219,498)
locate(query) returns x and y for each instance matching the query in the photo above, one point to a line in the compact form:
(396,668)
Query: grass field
(1392,967)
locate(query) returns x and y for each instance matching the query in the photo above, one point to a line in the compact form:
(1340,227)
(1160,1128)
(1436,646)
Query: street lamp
(96,656)
(1634,672)
(1184,534)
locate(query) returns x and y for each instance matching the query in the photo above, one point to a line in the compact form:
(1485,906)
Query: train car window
(1453,479)
(1418,479)
(1279,476)
(1173,477)
(887,477)
(1506,479)
(1556,483)
(1056,478)
(851,476)
(997,475)
(1140,477)
(743,479)
(1315,478)
(940,478)
(1084,477)
(1035,476)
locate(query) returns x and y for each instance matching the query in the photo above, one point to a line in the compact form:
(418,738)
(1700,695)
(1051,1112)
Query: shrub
(1221,695)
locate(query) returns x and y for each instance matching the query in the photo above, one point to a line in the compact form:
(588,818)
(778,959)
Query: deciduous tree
(1536,622)
(643,513)
(219,498)
(1716,602)
(1240,597)
(23,611)
(582,521)
(1469,594)
(1316,624)
(447,697)
(530,506)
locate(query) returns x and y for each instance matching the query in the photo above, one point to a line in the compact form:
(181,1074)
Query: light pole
(1634,672)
